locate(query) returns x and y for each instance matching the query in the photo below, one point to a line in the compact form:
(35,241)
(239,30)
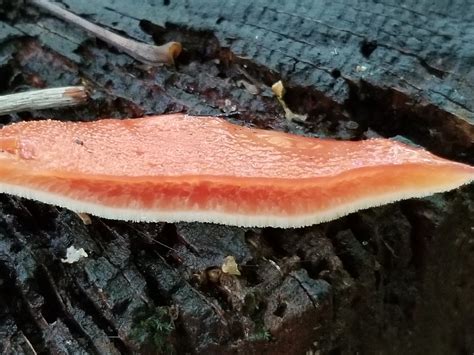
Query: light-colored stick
(42,99)
(143,52)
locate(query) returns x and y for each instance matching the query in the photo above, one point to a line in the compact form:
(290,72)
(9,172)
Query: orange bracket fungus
(181,168)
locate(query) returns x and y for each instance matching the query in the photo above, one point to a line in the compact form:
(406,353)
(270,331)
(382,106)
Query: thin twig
(42,99)
(146,53)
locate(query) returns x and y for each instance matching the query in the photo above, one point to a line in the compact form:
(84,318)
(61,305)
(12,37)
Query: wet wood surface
(389,279)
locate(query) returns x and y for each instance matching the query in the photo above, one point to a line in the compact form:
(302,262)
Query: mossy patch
(153,328)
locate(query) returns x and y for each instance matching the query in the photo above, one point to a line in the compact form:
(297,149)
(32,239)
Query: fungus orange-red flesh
(182,168)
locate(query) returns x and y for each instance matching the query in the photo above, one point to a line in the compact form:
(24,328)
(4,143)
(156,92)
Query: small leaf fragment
(279,91)
(230,266)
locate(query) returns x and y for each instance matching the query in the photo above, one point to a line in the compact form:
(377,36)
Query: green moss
(254,307)
(260,334)
(153,327)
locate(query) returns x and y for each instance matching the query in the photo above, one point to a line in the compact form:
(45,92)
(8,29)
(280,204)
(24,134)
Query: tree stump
(392,279)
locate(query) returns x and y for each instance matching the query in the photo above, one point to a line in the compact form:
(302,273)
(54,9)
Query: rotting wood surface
(389,279)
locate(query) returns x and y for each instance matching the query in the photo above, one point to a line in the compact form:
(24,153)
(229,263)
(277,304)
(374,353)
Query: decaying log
(392,279)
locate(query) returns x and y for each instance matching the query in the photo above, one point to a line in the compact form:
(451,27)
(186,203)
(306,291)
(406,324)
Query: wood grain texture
(392,279)
(419,47)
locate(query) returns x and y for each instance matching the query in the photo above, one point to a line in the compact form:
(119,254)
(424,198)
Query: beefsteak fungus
(182,168)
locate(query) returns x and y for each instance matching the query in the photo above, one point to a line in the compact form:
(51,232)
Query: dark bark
(391,279)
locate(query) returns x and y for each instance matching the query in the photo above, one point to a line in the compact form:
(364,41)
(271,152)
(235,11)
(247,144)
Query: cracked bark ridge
(389,279)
